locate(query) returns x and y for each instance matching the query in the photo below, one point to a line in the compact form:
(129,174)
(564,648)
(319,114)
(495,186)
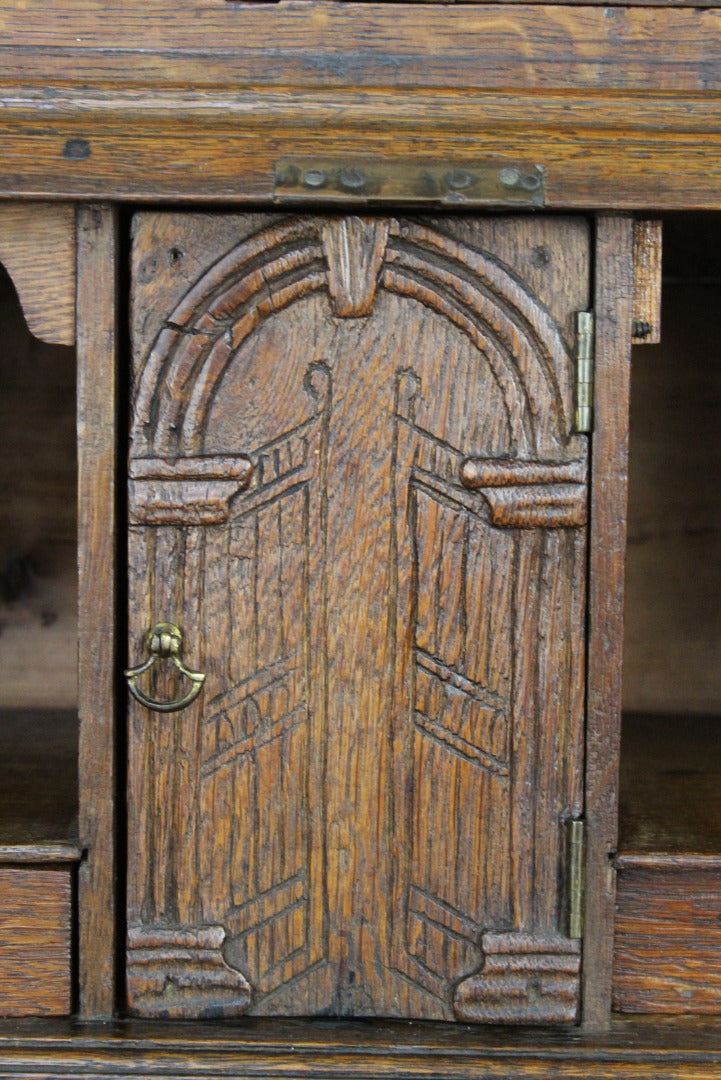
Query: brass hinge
(576,876)
(585,326)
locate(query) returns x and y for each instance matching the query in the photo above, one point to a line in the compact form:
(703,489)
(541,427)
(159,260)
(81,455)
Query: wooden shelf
(667,931)
(353,1049)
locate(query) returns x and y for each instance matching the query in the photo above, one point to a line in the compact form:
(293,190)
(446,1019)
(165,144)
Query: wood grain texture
(548,46)
(97,257)
(37,248)
(380,766)
(34,941)
(668,936)
(668,1049)
(647,253)
(619,105)
(613,307)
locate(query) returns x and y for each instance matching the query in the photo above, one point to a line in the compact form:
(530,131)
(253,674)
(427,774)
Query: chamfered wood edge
(37,248)
(97,254)
(613,306)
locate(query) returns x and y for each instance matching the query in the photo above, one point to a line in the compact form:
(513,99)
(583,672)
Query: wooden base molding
(355,1050)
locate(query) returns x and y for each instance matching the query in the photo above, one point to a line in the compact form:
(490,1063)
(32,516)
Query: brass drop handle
(165,642)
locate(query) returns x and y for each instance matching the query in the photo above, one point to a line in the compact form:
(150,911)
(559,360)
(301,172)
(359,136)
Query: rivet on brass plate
(420,181)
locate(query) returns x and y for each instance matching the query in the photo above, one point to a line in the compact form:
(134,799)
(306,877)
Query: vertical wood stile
(97,263)
(609,481)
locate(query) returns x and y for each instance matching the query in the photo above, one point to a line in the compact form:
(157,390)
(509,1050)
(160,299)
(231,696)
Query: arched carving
(281,264)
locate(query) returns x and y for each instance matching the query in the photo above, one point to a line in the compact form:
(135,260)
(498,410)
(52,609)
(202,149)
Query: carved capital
(525,979)
(530,494)
(181,973)
(187,491)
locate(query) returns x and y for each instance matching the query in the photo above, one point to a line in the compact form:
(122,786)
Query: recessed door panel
(355,490)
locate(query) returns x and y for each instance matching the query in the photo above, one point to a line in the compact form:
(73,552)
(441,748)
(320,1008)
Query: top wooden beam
(198,101)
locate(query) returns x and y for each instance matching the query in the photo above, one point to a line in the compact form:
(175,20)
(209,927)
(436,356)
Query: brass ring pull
(165,642)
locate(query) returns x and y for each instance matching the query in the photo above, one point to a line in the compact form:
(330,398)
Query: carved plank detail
(200,468)
(530,494)
(182,973)
(525,979)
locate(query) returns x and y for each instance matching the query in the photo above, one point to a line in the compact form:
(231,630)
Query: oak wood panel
(377,44)
(37,248)
(97,257)
(612,150)
(668,935)
(35,909)
(357,692)
(609,477)
(616,117)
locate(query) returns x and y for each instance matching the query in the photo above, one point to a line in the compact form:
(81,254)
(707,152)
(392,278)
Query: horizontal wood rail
(666,1051)
(199,101)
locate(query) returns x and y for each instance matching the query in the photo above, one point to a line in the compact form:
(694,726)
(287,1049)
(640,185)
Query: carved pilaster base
(525,979)
(181,974)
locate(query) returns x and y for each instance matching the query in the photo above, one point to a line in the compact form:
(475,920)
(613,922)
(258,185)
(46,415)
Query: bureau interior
(671,747)
(38,589)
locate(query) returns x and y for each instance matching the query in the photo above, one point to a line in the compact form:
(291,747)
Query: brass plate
(496,182)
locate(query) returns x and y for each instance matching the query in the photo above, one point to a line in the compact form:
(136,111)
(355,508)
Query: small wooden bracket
(37,248)
(647,247)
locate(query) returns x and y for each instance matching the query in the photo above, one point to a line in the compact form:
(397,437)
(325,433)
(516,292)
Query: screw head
(531,182)
(641,329)
(459,179)
(315,178)
(352,179)
(509,177)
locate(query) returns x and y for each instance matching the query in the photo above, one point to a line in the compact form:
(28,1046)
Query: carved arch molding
(469,707)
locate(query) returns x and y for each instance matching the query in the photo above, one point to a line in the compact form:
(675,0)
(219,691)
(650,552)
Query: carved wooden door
(355,487)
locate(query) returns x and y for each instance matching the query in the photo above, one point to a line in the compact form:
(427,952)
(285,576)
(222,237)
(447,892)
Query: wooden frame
(97,379)
(609,479)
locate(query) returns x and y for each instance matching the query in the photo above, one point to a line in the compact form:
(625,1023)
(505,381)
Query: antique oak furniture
(335,304)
